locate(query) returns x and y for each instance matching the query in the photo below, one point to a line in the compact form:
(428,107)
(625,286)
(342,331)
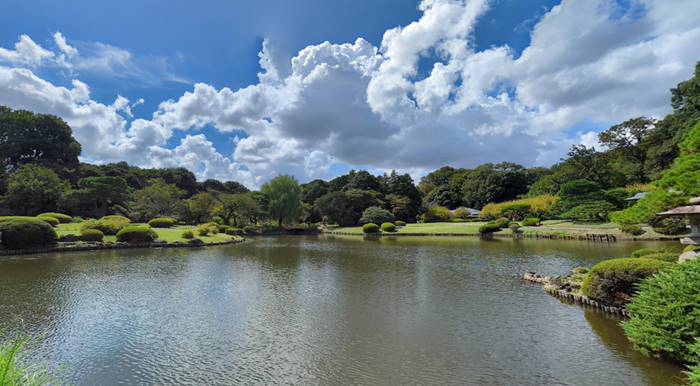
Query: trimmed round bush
(531,222)
(27,233)
(109,225)
(162,222)
(400,223)
(187,235)
(50,220)
(665,314)
(388,227)
(634,230)
(663,256)
(370,228)
(137,234)
(62,218)
(91,235)
(203,231)
(613,281)
(502,222)
(489,228)
(377,215)
(643,252)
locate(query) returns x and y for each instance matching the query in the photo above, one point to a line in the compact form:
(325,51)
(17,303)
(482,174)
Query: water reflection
(322,310)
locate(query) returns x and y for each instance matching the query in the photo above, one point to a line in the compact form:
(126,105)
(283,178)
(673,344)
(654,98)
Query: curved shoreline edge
(583,300)
(112,246)
(605,238)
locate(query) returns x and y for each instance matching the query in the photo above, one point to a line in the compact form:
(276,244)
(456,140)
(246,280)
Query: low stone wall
(82,247)
(574,298)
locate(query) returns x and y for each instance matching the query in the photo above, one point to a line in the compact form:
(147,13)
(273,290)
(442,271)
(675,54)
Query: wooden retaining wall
(574,298)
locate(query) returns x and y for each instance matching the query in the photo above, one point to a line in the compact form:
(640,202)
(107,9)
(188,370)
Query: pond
(321,310)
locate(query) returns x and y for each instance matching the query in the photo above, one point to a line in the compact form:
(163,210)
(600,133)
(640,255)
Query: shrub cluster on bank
(27,233)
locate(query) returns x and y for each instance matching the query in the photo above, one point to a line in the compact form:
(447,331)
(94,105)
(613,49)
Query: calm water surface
(323,310)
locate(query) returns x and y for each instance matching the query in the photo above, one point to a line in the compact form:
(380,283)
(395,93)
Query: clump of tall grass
(17,369)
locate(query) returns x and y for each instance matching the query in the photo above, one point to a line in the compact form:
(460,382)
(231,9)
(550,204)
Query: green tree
(157,200)
(345,208)
(234,187)
(33,189)
(96,196)
(235,207)
(284,198)
(26,137)
(628,138)
(313,190)
(200,207)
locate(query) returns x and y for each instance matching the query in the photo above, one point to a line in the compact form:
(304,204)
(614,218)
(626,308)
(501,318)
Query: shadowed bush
(400,223)
(613,281)
(531,222)
(27,233)
(137,234)
(502,222)
(376,215)
(489,228)
(91,235)
(370,228)
(50,220)
(187,235)
(109,225)
(643,252)
(388,227)
(162,222)
(62,218)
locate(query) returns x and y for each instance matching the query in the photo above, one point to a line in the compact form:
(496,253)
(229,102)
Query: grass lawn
(165,234)
(553,227)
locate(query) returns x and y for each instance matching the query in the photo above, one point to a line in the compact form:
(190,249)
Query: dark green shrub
(388,227)
(137,234)
(643,252)
(590,211)
(377,215)
(223,228)
(109,225)
(613,281)
(50,220)
(203,231)
(217,220)
(694,373)
(27,233)
(400,223)
(634,230)
(187,235)
(370,228)
(91,235)
(62,218)
(531,222)
(162,222)
(663,256)
(665,313)
(502,222)
(231,231)
(514,227)
(489,228)
(669,225)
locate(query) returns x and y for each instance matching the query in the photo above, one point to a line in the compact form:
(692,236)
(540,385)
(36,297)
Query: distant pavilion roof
(636,196)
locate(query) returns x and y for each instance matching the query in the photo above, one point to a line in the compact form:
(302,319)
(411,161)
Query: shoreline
(112,246)
(605,238)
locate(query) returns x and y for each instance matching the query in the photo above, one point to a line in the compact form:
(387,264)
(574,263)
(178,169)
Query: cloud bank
(382,107)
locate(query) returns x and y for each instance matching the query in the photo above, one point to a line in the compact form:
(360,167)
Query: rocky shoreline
(565,294)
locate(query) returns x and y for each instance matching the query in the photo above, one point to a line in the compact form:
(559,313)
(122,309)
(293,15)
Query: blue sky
(505,73)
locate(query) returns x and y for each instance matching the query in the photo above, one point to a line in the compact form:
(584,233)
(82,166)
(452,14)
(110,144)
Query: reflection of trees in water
(656,372)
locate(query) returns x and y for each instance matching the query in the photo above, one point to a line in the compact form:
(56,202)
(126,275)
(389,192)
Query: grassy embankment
(169,235)
(553,227)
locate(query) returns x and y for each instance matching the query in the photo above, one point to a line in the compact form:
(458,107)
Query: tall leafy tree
(284,198)
(629,139)
(33,189)
(157,200)
(43,139)
(235,207)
